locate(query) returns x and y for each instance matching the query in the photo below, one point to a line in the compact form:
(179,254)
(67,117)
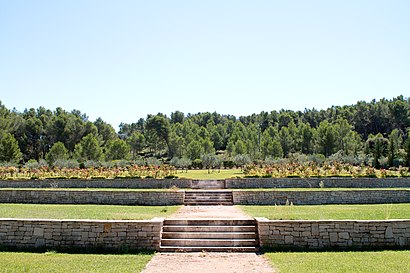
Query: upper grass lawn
(326,262)
(333,212)
(321,189)
(213,175)
(100,212)
(88,189)
(61,262)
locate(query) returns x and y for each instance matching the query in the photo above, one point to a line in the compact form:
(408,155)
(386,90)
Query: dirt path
(208,262)
(205,261)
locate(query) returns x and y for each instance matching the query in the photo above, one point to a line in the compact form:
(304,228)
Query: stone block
(389,233)
(344,235)
(288,240)
(38,232)
(333,237)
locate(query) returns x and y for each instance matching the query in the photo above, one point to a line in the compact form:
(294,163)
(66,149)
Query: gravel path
(206,261)
(210,212)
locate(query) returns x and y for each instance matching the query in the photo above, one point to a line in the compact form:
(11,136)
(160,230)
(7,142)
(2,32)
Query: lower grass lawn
(316,262)
(214,174)
(101,212)
(334,212)
(62,262)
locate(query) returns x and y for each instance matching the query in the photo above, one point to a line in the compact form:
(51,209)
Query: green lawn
(214,174)
(315,262)
(88,189)
(101,212)
(322,189)
(59,262)
(334,212)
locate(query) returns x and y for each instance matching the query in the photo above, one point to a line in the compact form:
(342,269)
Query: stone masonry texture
(333,234)
(98,183)
(107,234)
(272,197)
(55,196)
(332,182)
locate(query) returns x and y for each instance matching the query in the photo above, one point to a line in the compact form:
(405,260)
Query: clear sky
(121,60)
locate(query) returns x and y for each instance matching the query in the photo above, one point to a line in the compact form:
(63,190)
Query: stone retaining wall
(148,198)
(319,197)
(115,235)
(98,183)
(334,234)
(335,182)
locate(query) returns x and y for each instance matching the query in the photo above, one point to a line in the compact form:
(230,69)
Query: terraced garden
(135,260)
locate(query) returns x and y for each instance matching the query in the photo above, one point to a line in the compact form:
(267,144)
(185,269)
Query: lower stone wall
(319,197)
(148,198)
(110,235)
(99,183)
(328,182)
(333,234)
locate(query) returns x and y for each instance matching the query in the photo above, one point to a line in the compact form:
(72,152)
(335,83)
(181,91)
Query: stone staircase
(208,198)
(208,184)
(212,235)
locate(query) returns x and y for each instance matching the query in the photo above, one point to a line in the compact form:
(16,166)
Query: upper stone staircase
(208,198)
(208,184)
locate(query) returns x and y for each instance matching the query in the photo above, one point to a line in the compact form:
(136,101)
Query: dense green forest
(366,133)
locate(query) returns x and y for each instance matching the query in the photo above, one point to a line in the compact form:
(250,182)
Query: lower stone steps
(223,235)
(207,249)
(207,235)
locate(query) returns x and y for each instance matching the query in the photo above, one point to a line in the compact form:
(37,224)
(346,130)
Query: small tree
(209,161)
(182,163)
(407,147)
(9,149)
(377,146)
(57,152)
(395,141)
(88,148)
(117,149)
(242,160)
(136,142)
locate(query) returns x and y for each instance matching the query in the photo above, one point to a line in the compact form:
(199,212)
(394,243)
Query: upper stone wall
(148,183)
(334,182)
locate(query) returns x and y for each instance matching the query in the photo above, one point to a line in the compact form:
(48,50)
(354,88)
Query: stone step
(208,249)
(209,222)
(209,235)
(208,204)
(209,242)
(208,184)
(207,200)
(226,235)
(209,196)
(208,191)
(198,229)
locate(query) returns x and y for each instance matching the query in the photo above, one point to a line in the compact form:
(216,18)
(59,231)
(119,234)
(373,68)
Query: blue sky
(122,60)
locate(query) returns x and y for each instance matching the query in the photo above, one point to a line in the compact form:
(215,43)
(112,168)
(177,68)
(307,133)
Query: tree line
(370,133)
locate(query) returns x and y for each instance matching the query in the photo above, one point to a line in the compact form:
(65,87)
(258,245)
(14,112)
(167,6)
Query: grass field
(61,262)
(334,212)
(322,189)
(325,262)
(101,212)
(214,174)
(88,189)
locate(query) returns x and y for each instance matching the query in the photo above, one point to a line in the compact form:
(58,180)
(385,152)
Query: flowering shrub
(132,171)
(311,169)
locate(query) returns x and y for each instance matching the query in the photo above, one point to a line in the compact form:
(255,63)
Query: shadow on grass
(330,249)
(89,250)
